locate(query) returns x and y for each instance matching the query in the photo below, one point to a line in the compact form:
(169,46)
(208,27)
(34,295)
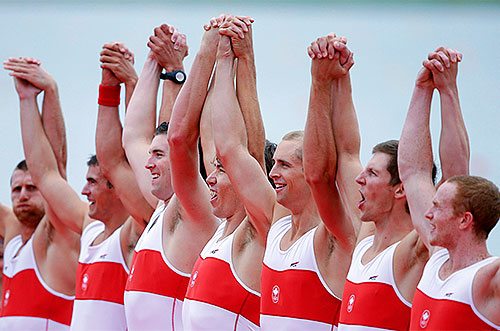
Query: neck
(115,221)
(391,229)
(466,252)
(233,222)
(304,219)
(26,233)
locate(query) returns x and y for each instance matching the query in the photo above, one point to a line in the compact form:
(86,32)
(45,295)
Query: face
(288,175)
(100,194)
(444,223)
(223,198)
(27,201)
(377,195)
(158,164)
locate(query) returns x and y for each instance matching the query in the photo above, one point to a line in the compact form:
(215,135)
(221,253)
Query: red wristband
(109,96)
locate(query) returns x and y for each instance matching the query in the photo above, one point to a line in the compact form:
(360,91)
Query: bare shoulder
(486,291)
(411,251)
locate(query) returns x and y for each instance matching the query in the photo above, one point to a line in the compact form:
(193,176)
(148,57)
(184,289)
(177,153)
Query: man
(39,250)
(391,260)
(168,248)
(107,241)
(459,286)
(230,256)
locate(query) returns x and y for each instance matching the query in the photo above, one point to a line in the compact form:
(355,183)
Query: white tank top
(28,303)
(295,296)
(366,287)
(447,303)
(216,298)
(155,288)
(100,282)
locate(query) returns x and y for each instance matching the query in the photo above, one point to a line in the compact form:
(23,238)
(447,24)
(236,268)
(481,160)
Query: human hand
(117,62)
(30,70)
(224,49)
(331,59)
(168,47)
(443,63)
(239,29)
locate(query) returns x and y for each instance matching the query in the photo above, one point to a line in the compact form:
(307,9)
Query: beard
(29,217)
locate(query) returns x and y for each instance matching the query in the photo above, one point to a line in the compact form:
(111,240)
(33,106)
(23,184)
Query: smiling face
(442,217)
(224,200)
(377,194)
(27,201)
(287,173)
(100,194)
(158,164)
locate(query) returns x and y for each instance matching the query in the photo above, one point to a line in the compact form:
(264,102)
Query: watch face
(180,76)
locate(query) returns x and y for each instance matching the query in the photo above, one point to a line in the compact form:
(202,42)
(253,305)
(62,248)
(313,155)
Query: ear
(399,191)
(466,221)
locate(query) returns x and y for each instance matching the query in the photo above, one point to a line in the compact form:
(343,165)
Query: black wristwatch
(176,76)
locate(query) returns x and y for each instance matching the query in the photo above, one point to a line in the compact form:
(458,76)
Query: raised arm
(66,210)
(454,149)
(169,49)
(246,90)
(9,225)
(320,155)
(184,130)
(415,151)
(230,136)
(52,118)
(117,68)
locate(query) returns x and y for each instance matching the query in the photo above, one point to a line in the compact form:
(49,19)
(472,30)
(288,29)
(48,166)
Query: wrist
(109,96)
(448,90)
(131,83)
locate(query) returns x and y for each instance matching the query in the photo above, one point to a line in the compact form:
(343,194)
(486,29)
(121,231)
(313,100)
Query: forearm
(141,115)
(53,124)
(320,156)
(185,124)
(415,149)
(170,91)
(129,91)
(246,89)
(454,149)
(228,118)
(345,122)
(38,152)
(109,148)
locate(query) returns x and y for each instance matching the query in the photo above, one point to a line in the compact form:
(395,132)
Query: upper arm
(137,155)
(68,210)
(9,225)
(419,192)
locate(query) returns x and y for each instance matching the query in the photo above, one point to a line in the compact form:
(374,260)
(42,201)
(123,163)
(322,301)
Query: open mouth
(213,195)
(361,201)
(155,176)
(279,187)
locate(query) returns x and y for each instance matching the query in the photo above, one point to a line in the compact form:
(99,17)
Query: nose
(85,190)
(360,179)
(149,164)
(274,174)
(211,179)
(24,195)
(428,214)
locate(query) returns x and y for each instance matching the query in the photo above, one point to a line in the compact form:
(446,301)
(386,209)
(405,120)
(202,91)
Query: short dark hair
(22,166)
(269,150)
(161,129)
(481,198)
(92,161)
(390,148)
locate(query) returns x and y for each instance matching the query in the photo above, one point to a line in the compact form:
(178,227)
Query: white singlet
(216,298)
(100,282)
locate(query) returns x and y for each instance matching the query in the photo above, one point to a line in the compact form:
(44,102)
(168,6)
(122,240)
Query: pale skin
(435,221)
(53,241)
(140,119)
(335,238)
(184,235)
(239,141)
(117,68)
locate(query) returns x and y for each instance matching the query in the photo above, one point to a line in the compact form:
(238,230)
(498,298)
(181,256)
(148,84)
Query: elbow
(226,150)
(317,177)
